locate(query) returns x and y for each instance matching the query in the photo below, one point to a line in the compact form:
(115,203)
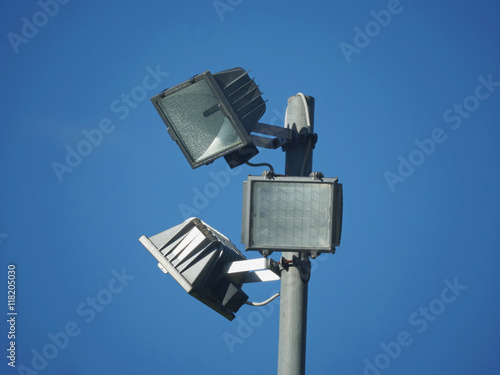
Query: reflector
(203,131)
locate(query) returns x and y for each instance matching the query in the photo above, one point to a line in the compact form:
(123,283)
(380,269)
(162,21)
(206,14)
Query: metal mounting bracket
(274,136)
(252,270)
(301,138)
(272,130)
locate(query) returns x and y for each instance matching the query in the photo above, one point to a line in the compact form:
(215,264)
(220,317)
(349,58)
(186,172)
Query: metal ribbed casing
(195,254)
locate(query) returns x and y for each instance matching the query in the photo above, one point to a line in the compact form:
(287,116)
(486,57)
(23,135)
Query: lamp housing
(196,255)
(212,115)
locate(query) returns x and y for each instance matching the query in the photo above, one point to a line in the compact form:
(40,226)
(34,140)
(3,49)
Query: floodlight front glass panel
(291,213)
(199,123)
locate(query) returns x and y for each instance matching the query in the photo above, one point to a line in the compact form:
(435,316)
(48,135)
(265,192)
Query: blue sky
(407,114)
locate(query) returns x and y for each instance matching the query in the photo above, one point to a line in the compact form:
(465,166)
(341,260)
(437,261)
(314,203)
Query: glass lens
(199,123)
(291,214)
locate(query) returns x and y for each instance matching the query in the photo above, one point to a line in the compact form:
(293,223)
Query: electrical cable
(260,165)
(308,150)
(308,119)
(309,142)
(264,302)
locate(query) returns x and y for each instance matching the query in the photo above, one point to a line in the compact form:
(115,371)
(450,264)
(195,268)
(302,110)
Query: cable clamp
(303,266)
(300,139)
(270,175)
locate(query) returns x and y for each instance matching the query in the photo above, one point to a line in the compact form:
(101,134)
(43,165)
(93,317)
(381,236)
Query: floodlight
(212,115)
(291,214)
(195,254)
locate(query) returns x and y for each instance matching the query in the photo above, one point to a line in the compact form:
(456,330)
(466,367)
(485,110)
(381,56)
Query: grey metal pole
(293,296)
